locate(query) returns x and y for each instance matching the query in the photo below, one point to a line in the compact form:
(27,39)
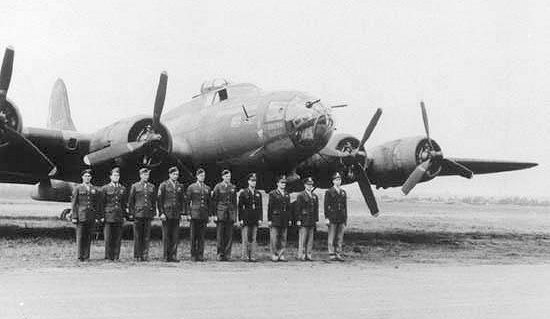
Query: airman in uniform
(224,203)
(141,206)
(197,209)
(336,217)
(113,202)
(250,214)
(278,216)
(307,215)
(170,200)
(85,212)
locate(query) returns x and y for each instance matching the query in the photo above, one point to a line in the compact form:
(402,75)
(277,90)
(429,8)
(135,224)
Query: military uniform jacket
(198,201)
(336,205)
(113,202)
(85,203)
(307,209)
(250,206)
(141,201)
(278,208)
(170,199)
(224,201)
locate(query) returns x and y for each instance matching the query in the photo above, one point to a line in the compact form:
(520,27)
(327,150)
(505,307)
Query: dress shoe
(283,259)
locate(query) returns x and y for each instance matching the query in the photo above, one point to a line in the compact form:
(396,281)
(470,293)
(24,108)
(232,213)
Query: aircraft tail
(59,117)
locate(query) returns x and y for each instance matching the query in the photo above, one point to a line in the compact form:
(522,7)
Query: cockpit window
(308,120)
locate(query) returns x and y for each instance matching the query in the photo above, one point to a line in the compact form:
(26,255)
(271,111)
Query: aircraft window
(219,96)
(72,144)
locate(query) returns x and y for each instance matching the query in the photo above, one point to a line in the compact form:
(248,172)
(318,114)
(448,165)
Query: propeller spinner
(43,163)
(355,159)
(432,157)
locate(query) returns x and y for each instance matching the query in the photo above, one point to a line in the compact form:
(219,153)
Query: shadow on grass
(359,238)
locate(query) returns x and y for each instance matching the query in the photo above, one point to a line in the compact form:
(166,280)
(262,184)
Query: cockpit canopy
(214,85)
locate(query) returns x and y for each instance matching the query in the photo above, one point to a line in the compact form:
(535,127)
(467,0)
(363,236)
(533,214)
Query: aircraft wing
(479,166)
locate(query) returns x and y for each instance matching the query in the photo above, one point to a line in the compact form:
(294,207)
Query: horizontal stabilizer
(478,166)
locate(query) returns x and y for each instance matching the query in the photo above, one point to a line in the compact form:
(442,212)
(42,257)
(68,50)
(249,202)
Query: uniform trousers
(335,238)
(112,232)
(224,238)
(305,241)
(142,237)
(277,239)
(197,234)
(248,237)
(84,232)
(170,238)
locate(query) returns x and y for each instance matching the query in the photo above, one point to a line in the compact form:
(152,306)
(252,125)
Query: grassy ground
(31,235)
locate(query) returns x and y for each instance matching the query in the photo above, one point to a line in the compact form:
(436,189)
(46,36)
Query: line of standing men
(198,204)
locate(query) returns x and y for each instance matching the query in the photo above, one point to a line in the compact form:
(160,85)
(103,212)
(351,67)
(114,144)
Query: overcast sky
(481,66)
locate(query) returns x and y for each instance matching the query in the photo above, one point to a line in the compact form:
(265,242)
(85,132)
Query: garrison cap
(225,171)
(86,171)
(252,177)
(308,181)
(200,171)
(336,176)
(144,170)
(173,169)
(115,170)
(281,178)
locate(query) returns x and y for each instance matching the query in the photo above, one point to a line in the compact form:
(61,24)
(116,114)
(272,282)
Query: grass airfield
(420,260)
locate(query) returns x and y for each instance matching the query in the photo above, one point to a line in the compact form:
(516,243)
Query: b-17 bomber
(226,126)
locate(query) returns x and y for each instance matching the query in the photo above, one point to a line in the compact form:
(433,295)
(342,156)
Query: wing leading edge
(478,166)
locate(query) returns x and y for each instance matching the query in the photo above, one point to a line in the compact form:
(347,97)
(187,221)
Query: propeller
(42,162)
(431,158)
(149,139)
(355,159)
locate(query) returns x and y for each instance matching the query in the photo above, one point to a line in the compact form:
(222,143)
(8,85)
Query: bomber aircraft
(234,126)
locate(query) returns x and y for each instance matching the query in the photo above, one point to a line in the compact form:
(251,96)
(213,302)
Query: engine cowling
(323,166)
(132,129)
(390,164)
(53,190)
(10,114)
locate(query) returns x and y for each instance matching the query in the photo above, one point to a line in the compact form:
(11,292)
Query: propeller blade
(370,127)
(43,162)
(5,73)
(112,152)
(426,124)
(159,101)
(366,190)
(458,168)
(416,176)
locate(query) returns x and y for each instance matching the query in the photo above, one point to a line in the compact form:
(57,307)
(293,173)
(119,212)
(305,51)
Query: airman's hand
(162,217)
(327,221)
(74,220)
(298,223)
(269,223)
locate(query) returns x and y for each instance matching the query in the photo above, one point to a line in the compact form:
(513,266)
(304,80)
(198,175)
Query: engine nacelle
(53,190)
(324,166)
(128,130)
(390,164)
(10,114)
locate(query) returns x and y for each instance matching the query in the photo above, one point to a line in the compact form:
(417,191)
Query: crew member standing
(307,210)
(336,217)
(85,211)
(224,202)
(250,214)
(197,208)
(141,205)
(113,203)
(278,216)
(170,202)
